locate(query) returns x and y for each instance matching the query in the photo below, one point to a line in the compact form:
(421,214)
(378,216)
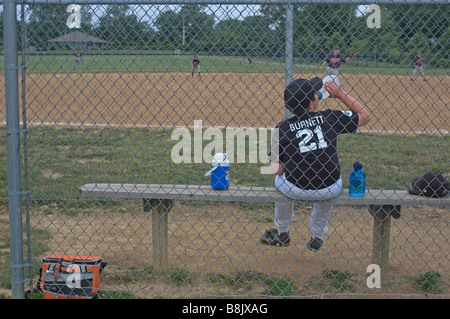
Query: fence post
(289,55)
(13,148)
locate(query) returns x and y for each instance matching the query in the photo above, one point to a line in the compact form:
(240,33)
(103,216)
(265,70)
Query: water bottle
(220,171)
(327,78)
(357,183)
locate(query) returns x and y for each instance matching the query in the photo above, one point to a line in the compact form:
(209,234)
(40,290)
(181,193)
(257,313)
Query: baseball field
(399,105)
(210,242)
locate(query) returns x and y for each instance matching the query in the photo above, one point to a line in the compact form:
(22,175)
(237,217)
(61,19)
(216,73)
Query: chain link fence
(108,94)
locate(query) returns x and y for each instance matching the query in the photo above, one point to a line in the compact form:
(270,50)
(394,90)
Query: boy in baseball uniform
(418,66)
(334,61)
(304,156)
(196,66)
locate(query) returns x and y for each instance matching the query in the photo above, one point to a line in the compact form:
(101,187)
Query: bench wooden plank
(248,194)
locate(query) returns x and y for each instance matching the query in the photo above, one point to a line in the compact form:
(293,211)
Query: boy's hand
(333,89)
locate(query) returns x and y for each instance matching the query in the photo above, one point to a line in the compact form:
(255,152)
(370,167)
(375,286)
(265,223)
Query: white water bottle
(327,78)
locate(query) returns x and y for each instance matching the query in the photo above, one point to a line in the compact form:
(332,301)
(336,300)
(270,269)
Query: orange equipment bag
(70,276)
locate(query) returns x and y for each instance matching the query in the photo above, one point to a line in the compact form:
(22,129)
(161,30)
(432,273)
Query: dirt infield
(398,104)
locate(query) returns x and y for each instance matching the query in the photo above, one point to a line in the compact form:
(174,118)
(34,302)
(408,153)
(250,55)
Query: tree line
(405,30)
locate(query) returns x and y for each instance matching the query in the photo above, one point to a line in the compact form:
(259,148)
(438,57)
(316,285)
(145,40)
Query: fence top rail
(224,2)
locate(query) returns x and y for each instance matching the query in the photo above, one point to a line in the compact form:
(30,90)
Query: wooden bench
(382,204)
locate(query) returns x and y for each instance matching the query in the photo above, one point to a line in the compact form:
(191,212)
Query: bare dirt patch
(212,241)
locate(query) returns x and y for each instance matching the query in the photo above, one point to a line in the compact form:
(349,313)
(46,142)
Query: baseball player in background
(78,58)
(196,66)
(418,66)
(334,60)
(304,156)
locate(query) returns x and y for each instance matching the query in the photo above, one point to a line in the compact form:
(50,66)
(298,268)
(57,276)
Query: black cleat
(314,244)
(271,237)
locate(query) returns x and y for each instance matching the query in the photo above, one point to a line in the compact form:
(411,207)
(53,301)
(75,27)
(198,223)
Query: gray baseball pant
(331,71)
(323,203)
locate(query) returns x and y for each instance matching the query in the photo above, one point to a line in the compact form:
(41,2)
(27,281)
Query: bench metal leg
(381,234)
(160,209)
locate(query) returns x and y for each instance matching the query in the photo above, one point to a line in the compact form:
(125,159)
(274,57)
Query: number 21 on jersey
(307,143)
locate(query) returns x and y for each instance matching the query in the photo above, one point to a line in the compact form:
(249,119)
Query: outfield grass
(62,159)
(123,62)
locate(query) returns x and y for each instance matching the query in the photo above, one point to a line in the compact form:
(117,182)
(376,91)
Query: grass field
(61,159)
(124,62)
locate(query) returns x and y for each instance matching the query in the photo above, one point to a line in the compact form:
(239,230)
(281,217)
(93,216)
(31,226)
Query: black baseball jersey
(418,61)
(334,60)
(307,147)
(195,61)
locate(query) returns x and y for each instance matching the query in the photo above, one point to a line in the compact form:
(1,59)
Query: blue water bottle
(220,171)
(357,182)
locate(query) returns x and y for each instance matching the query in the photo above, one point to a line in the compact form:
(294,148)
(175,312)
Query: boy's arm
(349,101)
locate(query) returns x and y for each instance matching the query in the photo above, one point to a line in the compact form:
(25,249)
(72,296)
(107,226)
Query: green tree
(317,28)
(227,36)
(198,27)
(259,38)
(121,28)
(169,30)
(431,20)
(189,29)
(86,19)
(45,23)
(441,51)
